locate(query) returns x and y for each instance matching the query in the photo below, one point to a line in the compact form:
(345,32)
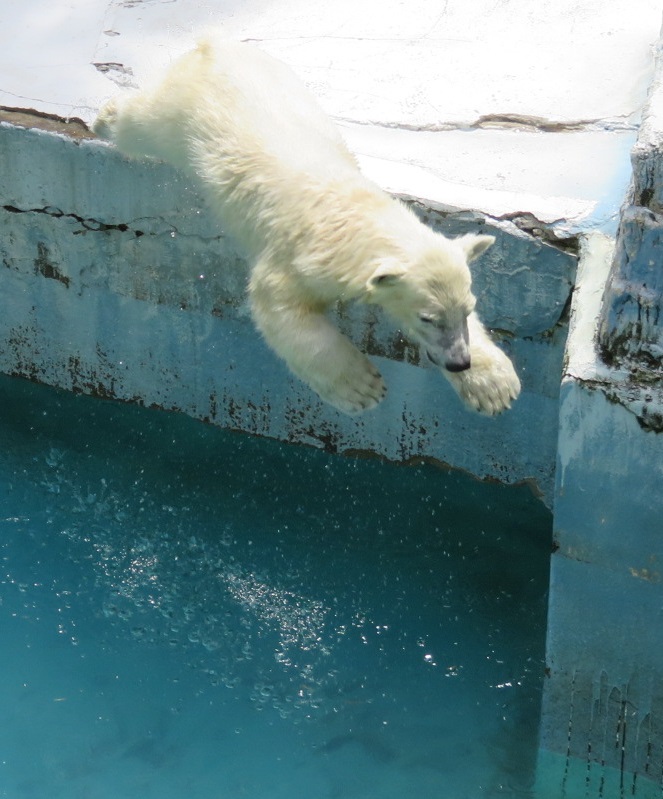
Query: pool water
(189,613)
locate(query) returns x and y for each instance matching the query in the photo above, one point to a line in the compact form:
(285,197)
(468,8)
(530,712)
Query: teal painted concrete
(603,698)
(602,718)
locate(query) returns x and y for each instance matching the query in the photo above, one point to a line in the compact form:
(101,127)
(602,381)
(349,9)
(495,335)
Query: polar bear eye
(429,320)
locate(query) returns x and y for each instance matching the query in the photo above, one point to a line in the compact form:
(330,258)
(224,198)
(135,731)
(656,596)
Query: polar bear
(315,230)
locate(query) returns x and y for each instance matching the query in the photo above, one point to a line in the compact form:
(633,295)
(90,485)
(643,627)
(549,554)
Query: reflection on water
(193,614)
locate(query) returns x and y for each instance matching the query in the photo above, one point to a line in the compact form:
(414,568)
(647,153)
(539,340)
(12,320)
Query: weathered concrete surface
(631,330)
(143,299)
(603,699)
(631,333)
(602,719)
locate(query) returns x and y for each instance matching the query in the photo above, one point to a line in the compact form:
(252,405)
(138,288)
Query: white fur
(281,178)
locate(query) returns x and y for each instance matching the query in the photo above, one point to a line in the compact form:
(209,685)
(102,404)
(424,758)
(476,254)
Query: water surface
(188,613)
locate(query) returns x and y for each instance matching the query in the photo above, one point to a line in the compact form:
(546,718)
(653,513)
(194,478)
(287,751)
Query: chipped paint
(645,574)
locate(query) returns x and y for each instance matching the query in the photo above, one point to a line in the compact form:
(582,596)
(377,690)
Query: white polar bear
(317,231)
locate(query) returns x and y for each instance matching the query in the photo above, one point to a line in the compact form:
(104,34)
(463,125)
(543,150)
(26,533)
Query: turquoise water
(187,613)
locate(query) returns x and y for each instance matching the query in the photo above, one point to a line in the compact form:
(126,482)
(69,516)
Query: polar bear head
(431,296)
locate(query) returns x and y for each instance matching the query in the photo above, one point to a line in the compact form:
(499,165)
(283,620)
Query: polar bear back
(232,88)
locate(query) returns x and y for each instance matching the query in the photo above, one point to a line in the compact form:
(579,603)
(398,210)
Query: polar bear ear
(387,274)
(474,246)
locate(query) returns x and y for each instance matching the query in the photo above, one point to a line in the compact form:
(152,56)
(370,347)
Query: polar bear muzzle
(451,348)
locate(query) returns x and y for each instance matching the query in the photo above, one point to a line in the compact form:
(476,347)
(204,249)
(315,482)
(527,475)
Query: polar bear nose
(459,365)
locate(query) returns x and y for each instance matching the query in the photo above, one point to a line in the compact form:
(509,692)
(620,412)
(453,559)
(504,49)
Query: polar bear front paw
(357,386)
(489,385)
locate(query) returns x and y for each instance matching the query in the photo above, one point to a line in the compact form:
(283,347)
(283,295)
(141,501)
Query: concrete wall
(117,282)
(602,718)
(602,729)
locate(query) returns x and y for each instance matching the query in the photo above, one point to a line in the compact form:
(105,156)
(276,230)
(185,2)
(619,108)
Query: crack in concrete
(94,225)
(504,121)
(121,75)
(543,231)
(544,125)
(97,226)
(524,221)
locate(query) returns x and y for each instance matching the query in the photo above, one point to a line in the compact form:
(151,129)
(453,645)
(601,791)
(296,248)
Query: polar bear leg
(491,383)
(104,124)
(320,355)
(139,125)
(123,121)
